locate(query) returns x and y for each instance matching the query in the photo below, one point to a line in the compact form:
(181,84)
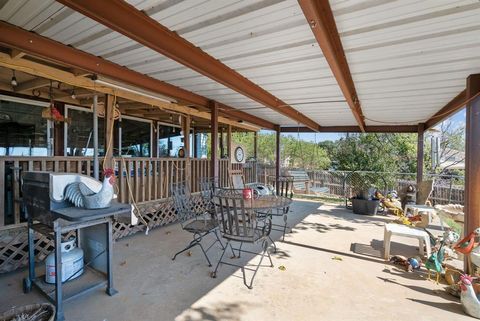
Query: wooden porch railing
(138,179)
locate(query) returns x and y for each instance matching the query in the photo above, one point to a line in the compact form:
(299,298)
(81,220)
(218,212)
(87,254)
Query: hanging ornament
(51,112)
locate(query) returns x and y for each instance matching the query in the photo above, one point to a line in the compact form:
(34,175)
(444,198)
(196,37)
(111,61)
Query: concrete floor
(313,286)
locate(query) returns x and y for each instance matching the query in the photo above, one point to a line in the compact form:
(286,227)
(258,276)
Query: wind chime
(51,112)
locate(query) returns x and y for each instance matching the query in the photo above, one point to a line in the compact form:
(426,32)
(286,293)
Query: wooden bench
(301,180)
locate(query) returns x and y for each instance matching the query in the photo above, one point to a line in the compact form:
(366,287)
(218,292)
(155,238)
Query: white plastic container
(72,262)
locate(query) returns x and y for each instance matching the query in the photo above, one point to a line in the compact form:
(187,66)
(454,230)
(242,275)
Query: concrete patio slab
(333,270)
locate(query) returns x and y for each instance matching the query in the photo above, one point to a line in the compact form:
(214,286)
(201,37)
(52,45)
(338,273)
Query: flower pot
(365,207)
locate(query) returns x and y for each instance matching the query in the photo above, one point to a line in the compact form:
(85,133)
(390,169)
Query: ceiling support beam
(457,103)
(320,18)
(472,159)
(32,84)
(65,77)
(127,20)
(354,129)
(33,44)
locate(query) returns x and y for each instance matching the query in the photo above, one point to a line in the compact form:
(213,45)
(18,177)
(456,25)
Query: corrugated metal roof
(408,55)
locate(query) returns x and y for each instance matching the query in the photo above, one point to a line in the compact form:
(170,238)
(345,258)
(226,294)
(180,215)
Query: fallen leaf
(123,263)
(337,258)
(168,232)
(282,268)
(189,253)
(127,245)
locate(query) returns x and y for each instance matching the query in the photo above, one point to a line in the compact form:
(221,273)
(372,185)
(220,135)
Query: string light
(14,82)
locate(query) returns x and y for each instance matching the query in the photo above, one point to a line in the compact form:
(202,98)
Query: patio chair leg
(273,243)
(284,226)
(265,250)
(218,239)
(214,273)
(240,250)
(233,252)
(192,244)
(205,253)
(196,241)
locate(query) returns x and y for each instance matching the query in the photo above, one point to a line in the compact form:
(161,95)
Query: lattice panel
(14,248)
(14,241)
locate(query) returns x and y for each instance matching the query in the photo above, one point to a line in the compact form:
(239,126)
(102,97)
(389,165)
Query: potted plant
(363,204)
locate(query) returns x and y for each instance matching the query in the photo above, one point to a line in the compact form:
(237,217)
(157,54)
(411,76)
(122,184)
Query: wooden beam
(109,132)
(41,70)
(472,158)
(16,54)
(229,141)
(32,84)
(214,140)
(454,105)
(39,46)
(277,159)
(354,129)
(420,152)
(322,22)
(135,24)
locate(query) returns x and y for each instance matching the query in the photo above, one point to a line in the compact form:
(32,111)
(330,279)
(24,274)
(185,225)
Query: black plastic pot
(365,207)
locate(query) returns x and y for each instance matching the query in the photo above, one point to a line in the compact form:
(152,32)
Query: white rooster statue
(81,195)
(470,302)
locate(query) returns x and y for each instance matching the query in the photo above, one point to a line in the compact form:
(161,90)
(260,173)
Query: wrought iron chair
(239,225)
(194,218)
(285,189)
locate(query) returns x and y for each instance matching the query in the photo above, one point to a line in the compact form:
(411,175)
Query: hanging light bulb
(73,94)
(14,82)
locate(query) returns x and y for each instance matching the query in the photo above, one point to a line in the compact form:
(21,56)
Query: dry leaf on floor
(282,268)
(189,253)
(123,263)
(337,258)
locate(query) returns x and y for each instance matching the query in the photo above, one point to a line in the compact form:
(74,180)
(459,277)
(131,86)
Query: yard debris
(127,245)
(168,232)
(282,268)
(189,253)
(337,258)
(123,263)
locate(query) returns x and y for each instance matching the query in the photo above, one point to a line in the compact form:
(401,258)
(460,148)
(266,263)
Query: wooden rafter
(42,47)
(56,74)
(454,105)
(322,22)
(127,20)
(354,129)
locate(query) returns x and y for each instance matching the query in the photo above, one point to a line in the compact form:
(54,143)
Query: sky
(458,118)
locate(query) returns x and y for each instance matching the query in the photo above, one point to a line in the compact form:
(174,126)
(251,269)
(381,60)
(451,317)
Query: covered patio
(156,90)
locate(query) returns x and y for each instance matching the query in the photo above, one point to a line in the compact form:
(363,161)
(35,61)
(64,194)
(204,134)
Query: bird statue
(465,245)
(470,301)
(475,251)
(434,262)
(81,195)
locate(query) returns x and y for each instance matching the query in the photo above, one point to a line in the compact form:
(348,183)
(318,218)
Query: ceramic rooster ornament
(81,195)
(470,302)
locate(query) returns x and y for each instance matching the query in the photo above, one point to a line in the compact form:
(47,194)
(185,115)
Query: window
(23,131)
(170,140)
(135,137)
(80,133)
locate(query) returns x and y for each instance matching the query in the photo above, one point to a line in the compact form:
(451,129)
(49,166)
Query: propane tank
(72,262)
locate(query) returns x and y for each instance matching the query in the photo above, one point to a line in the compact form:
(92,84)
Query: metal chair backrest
(285,185)
(182,201)
(208,185)
(237,181)
(235,221)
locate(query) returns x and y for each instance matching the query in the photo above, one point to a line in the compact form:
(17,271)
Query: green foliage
(376,152)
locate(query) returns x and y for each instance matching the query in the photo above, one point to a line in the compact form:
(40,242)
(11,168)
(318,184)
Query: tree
(451,149)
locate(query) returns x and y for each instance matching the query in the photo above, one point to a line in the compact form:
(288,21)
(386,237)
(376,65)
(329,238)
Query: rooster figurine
(470,302)
(82,196)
